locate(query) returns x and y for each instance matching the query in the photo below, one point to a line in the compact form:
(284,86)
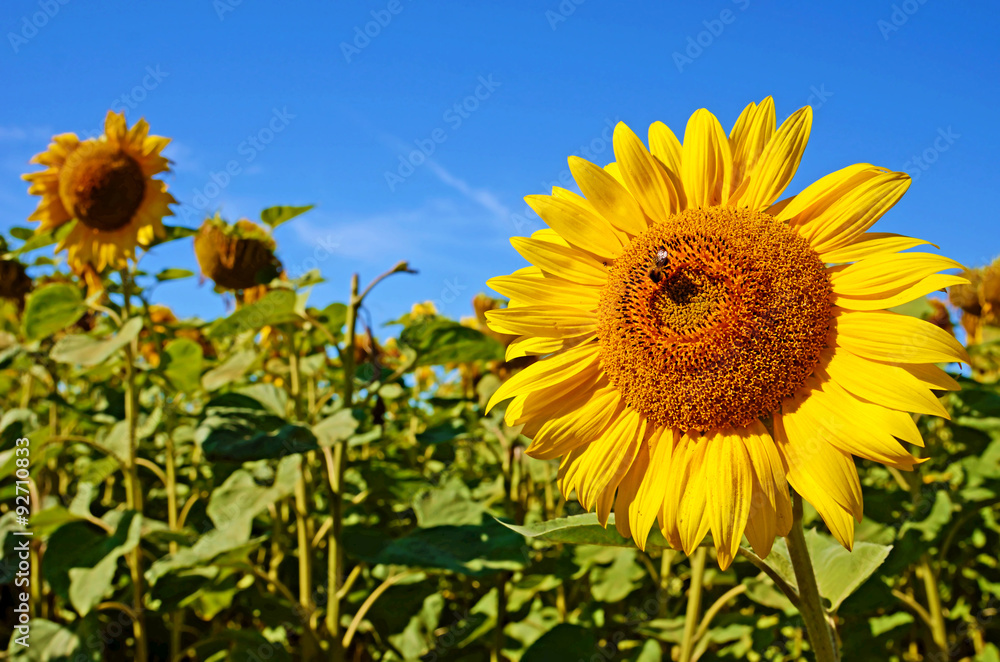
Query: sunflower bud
(236,257)
(991,292)
(966,297)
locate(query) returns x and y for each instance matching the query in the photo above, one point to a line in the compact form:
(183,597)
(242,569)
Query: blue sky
(306,108)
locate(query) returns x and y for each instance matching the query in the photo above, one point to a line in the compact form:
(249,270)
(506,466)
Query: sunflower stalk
(133,493)
(814,615)
(693,612)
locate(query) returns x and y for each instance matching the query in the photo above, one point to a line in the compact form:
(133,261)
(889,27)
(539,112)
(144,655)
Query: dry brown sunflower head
(238,256)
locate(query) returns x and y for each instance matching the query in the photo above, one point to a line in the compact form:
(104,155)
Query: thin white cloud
(26,134)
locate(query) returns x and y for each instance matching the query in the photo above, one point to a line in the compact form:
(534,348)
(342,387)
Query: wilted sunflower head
(237,256)
(702,345)
(107,186)
(14,281)
(966,295)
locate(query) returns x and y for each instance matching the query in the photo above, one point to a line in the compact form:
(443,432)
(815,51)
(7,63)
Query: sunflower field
(652,444)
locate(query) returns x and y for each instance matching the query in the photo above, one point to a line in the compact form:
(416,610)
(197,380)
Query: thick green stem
(133,491)
(810,604)
(693,613)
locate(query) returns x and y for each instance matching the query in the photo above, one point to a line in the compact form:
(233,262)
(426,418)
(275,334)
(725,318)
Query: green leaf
(22,233)
(42,239)
(468,550)
(181,364)
(882,624)
(84,350)
(275,216)
(239,428)
(173,233)
(231,370)
(613,583)
(173,274)
(231,511)
(451,504)
(940,515)
(438,341)
(52,308)
(51,642)
(584,530)
(563,642)
(442,433)
(88,586)
(333,317)
(335,428)
(838,572)
(277,307)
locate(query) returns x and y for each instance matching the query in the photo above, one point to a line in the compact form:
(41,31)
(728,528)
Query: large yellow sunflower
(705,346)
(106,185)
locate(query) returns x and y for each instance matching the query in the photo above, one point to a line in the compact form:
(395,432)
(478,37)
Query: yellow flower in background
(706,346)
(107,186)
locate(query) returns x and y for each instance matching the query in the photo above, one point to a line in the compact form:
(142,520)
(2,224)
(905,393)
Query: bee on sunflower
(703,346)
(105,187)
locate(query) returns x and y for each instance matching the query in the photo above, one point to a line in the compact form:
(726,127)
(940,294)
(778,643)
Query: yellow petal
(546,290)
(730,487)
(544,321)
(750,134)
(816,464)
(892,337)
(810,469)
(887,274)
(882,384)
(578,225)
(532,345)
(646,178)
(706,162)
(692,513)
(870,244)
(649,499)
(561,434)
(543,374)
(629,488)
(899,296)
(774,170)
(840,207)
(610,198)
(568,263)
(663,144)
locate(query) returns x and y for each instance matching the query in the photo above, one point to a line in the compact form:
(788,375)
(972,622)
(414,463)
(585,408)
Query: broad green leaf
(613,583)
(838,572)
(181,364)
(51,642)
(231,511)
(275,216)
(940,514)
(418,638)
(584,530)
(442,433)
(237,644)
(277,307)
(22,233)
(450,504)
(84,350)
(245,445)
(563,642)
(335,428)
(231,370)
(468,550)
(88,586)
(333,318)
(438,341)
(173,274)
(52,308)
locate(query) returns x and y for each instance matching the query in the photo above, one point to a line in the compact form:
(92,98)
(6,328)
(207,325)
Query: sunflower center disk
(102,187)
(712,317)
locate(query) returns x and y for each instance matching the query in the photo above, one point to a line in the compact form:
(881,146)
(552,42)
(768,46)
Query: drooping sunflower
(106,184)
(704,346)
(238,256)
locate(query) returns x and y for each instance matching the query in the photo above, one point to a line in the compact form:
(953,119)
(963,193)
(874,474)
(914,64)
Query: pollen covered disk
(712,317)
